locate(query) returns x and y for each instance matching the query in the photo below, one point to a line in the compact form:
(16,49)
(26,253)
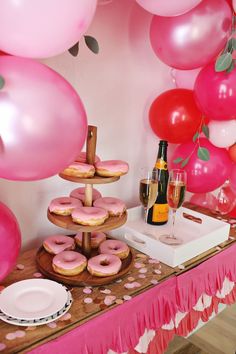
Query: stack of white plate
(34,302)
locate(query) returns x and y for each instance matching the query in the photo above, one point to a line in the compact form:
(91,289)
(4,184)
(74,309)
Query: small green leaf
(205,130)
(196,135)
(231,68)
(203,154)
(2,82)
(178,160)
(184,163)
(92,44)
(233,40)
(223,62)
(74,50)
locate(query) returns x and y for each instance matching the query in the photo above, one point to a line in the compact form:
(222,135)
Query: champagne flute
(148,188)
(175,198)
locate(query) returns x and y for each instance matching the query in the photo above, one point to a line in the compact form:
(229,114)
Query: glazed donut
(111,168)
(118,248)
(79,169)
(79,193)
(69,263)
(64,205)
(96,239)
(114,206)
(104,265)
(82,157)
(90,216)
(57,243)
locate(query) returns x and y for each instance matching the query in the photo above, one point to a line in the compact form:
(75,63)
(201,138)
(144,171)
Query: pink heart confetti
(105,291)
(136,284)
(143,270)
(157,271)
(138,265)
(129,286)
(65,317)
(10,336)
(109,300)
(88,300)
(87,290)
(20,266)
(142,276)
(37,275)
(131,279)
(20,334)
(153,261)
(2,346)
(154,282)
(127,297)
(52,325)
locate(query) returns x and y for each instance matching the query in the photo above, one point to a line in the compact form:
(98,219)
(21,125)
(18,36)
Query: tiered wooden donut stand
(44,259)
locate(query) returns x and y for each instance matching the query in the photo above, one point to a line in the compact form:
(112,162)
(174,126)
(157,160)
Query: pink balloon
(43,123)
(203,176)
(167,7)
(222,133)
(205,200)
(185,78)
(10,241)
(234,5)
(191,40)
(226,199)
(215,93)
(232,178)
(43,28)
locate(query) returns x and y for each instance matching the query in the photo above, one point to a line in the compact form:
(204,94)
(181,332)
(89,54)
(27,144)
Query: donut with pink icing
(82,157)
(116,247)
(104,265)
(89,216)
(79,193)
(79,169)
(96,238)
(69,263)
(57,243)
(114,206)
(64,205)
(111,168)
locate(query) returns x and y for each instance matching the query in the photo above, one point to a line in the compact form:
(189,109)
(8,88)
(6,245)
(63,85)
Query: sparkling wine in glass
(175,198)
(148,188)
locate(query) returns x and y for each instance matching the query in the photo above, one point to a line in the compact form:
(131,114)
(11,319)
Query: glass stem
(145,214)
(173,223)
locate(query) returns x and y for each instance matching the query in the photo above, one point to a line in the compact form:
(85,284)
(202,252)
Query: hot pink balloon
(10,241)
(43,123)
(222,133)
(205,200)
(203,176)
(215,93)
(43,28)
(168,8)
(232,178)
(191,40)
(185,78)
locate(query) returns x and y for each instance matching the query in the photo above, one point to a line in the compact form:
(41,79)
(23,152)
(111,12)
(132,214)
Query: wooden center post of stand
(90,159)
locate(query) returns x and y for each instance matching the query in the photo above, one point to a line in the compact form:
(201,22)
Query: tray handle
(134,241)
(192,218)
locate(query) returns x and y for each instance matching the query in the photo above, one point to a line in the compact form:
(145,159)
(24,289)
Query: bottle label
(161,164)
(160,212)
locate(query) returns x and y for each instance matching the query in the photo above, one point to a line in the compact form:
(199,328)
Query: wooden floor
(218,336)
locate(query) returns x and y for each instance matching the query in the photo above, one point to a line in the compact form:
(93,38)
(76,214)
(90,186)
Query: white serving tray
(197,237)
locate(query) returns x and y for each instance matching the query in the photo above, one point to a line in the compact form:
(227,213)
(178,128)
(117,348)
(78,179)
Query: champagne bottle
(158,213)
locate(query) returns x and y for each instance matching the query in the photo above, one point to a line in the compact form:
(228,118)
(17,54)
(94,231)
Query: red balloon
(232,214)
(10,241)
(174,116)
(232,152)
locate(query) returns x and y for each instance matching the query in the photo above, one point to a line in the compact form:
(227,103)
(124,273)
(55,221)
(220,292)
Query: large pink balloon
(232,178)
(167,7)
(203,176)
(215,93)
(206,200)
(185,78)
(43,28)
(42,120)
(222,133)
(10,241)
(191,40)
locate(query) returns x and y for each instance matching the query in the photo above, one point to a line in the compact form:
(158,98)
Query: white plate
(41,321)
(33,299)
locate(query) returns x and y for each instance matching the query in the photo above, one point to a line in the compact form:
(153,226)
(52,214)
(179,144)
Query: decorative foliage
(2,82)
(90,42)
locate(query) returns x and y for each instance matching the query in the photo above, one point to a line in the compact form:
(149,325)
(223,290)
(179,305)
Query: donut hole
(65,203)
(116,248)
(69,258)
(59,243)
(105,262)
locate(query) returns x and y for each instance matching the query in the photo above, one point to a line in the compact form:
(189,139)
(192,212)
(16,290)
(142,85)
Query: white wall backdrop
(117,87)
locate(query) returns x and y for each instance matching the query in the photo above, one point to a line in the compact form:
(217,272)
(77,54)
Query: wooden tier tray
(93,180)
(66,222)
(44,264)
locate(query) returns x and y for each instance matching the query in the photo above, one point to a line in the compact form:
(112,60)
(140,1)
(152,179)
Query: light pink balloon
(185,78)
(234,5)
(43,28)
(168,7)
(192,40)
(222,133)
(205,200)
(43,123)
(232,178)
(226,199)
(203,176)
(10,241)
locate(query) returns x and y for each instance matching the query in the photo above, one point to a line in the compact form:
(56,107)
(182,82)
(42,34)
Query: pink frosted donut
(82,157)
(57,243)
(79,169)
(114,206)
(96,238)
(118,248)
(69,263)
(111,168)
(89,216)
(79,193)
(64,205)
(104,265)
